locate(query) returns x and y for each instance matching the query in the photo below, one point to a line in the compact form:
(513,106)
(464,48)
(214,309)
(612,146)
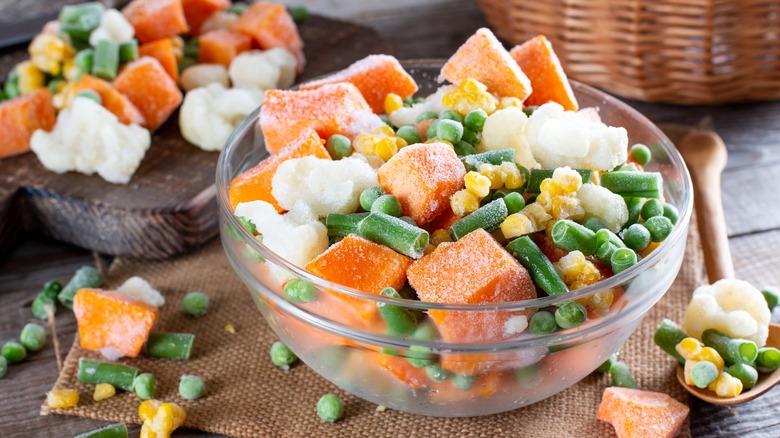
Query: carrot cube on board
(156,19)
(363,265)
(149,87)
(641,414)
(423,177)
(198,11)
(475,269)
(375,76)
(329,109)
(20,117)
(221,46)
(270,25)
(112,99)
(113,320)
(162,51)
(255,184)
(539,62)
(482,57)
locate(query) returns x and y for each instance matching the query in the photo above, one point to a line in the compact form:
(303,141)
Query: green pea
(425,115)
(464,382)
(470,136)
(604,368)
(369,195)
(430,133)
(299,14)
(387,204)
(542,323)
(475,119)
(238,8)
(409,134)
(528,376)
(408,220)
(437,373)
(651,208)
(449,114)
(593,223)
(636,237)
(33,337)
(419,100)
(640,154)
(514,202)
(3,366)
(570,315)
(772,297)
(338,146)
(300,291)
(281,355)
(330,408)
(408,102)
(192,387)
(195,304)
(660,227)
(144,386)
(13,352)
(671,213)
(529,110)
(449,130)
(463,148)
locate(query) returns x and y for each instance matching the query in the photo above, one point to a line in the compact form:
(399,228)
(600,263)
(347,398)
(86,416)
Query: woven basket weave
(678,51)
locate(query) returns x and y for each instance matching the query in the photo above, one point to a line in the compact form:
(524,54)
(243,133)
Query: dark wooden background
(431,29)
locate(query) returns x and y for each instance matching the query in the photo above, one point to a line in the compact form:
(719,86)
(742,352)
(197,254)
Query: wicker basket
(678,51)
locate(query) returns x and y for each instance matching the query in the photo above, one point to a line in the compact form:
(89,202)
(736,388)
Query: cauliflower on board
(734,307)
(505,129)
(601,203)
(139,288)
(209,114)
(325,185)
(113,27)
(408,115)
(560,138)
(274,68)
(88,138)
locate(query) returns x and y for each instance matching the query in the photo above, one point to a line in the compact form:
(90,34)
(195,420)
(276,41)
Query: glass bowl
(341,336)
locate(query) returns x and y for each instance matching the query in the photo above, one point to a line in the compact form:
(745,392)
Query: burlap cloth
(249,397)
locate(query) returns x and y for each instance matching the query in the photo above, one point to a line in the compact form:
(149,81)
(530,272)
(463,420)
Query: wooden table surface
(431,29)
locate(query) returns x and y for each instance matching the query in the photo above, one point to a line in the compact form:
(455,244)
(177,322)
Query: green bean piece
(409,134)
(338,146)
(342,225)
(3,366)
(514,202)
(667,336)
(621,376)
(191,48)
(118,430)
(106,60)
(91,95)
(387,204)
(495,157)
(299,13)
(195,304)
(192,387)
(626,167)
(238,8)
(78,21)
(634,210)
(542,323)
(604,252)
(572,236)
(463,148)
(487,217)
(54,85)
(593,223)
(772,297)
(33,337)
(622,259)
(640,154)
(13,352)
(408,220)
(46,299)
(636,237)
(703,374)
(408,102)
(538,175)
(463,382)
(731,350)
(281,355)
(745,373)
(634,184)
(449,130)
(652,208)
(86,277)
(330,408)
(449,114)
(660,227)
(768,359)
(369,195)
(604,235)
(528,376)
(470,136)
(437,373)
(418,355)
(144,386)
(128,51)
(300,291)
(11,85)
(475,119)
(430,133)
(671,212)
(176,346)
(426,115)
(571,315)
(400,320)
(604,368)
(390,231)
(533,259)
(98,371)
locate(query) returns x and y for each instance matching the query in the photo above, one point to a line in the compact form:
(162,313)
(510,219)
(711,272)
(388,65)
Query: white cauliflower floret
(209,114)
(563,138)
(734,307)
(601,203)
(200,75)
(296,237)
(88,138)
(217,21)
(139,288)
(505,129)
(113,27)
(268,69)
(327,186)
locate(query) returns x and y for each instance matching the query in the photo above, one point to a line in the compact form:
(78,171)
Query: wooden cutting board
(169,207)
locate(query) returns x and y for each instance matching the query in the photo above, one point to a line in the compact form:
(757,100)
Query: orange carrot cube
(162,51)
(270,25)
(540,63)
(255,184)
(20,117)
(642,414)
(111,99)
(329,109)
(221,46)
(198,11)
(149,87)
(402,370)
(110,319)
(482,57)
(375,76)
(423,177)
(156,19)
(443,221)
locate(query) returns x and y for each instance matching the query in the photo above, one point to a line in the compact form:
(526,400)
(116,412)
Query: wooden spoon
(705,154)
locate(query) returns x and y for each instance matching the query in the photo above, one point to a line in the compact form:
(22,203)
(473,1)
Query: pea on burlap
(250,397)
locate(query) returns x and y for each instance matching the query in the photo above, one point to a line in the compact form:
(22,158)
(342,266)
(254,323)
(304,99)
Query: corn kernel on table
(430,29)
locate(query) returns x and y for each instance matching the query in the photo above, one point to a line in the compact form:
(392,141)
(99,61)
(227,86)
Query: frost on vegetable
(209,114)
(733,307)
(88,138)
(506,129)
(599,202)
(563,138)
(113,27)
(139,288)
(408,115)
(327,186)
(268,69)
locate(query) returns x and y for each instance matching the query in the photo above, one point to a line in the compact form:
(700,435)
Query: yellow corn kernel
(463,202)
(230,329)
(558,195)
(477,184)
(513,179)
(428,249)
(401,143)
(148,409)
(30,77)
(507,102)
(62,398)
(516,225)
(600,302)
(726,385)
(70,71)
(147,432)
(384,130)
(494,173)
(438,140)
(65,97)
(393,102)
(386,147)
(178,47)
(537,214)
(689,348)
(160,419)
(364,143)
(440,236)
(103,391)
(711,355)
(470,95)
(687,371)
(48,51)
(578,272)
